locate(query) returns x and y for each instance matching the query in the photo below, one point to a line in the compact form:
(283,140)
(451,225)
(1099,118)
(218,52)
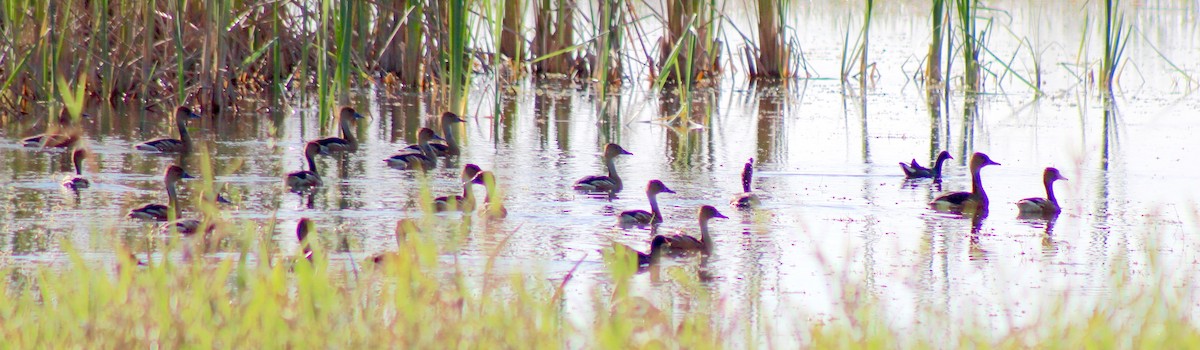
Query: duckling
(642,217)
(303,228)
(602,183)
(302,179)
(188,227)
(491,209)
(914,170)
(424,160)
(682,244)
(347,142)
(976,200)
(1048,205)
(77,182)
(657,246)
(746,199)
(403,228)
(450,147)
(159,212)
(465,202)
(63,137)
(168,145)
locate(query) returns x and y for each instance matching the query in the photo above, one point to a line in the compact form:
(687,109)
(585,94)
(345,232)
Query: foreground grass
(404,304)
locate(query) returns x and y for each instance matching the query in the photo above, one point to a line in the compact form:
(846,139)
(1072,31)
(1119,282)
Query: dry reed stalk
(688,54)
(554,30)
(774,56)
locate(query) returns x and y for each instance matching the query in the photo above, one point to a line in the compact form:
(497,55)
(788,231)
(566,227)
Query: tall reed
(933,59)
(1115,40)
(774,58)
(689,52)
(553,35)
(968,11)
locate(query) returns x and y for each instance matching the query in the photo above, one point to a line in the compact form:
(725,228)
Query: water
(837,212)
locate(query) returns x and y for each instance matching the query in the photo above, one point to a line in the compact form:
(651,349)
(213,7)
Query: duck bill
(187,176)
(357,115)
(719,215)
(667,190)
(193,115)
(990,162)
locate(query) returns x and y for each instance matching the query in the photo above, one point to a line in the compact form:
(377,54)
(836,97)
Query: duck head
(469,171)
(1051,174)
(182,112)
(656,187)
(349,113)
(175,173)
(613,150)
(708,212)
(426,135)
(944,156)
(980,160)
(451,118)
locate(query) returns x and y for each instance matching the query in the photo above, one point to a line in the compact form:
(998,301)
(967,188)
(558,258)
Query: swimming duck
(1048,205)
(657,246)
(303,228)
(347,142)
(746,199)
(306,178)
(77,181)
(450,147)
(914,170)
(490,209)
(424,160)
(976,200)
(63,137)
(642,217)
(159,212)
(602,183)
(404,227)
(181,145)
(682,244)
(464,202)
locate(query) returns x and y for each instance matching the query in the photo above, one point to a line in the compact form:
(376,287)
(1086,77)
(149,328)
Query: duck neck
(172,198)
(181,124)
(312,164)
(937,167)
(612,171)
(78,166)
(468,197)
(654,208)
(747,177)
(348,132)
(705,239)
(1050,191)
(448,135)
(977,187)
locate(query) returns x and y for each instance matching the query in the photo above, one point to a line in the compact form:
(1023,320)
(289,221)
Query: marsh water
(838,218)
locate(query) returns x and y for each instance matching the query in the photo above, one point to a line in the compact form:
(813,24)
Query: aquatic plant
(773,56)
(933,59)
(967,12)
(553,34)
(1116,37)
(688,53)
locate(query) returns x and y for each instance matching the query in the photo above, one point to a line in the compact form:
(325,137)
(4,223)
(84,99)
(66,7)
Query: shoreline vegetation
(415,299)
(162,53)
(213,54)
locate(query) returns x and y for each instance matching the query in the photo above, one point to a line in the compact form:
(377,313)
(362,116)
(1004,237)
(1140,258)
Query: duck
(491,208)
(424,160)
(450,146)
(63,137)
(189,227)
(976,200)
(658,245)
(916,171)
(77,182)
(404,227)
(167,145)
(684,244)
(303,229)
(604,183)
(302,179)
(159,212)
(1048,205)
(746,199)
(464,202)
(642,217)
(347,142)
